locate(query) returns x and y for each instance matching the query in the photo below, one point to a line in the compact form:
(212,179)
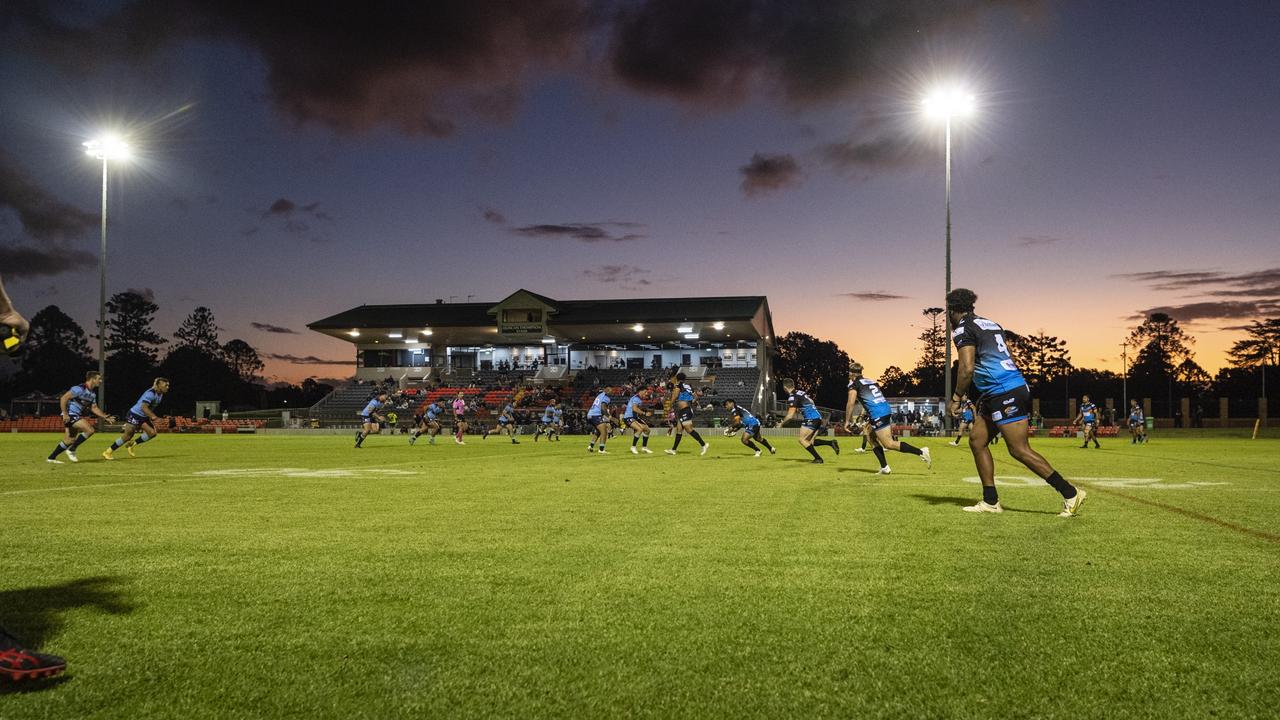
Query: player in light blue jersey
(428,421)
(598,419)
(507,423)
(749,424)
(636,417)
(1004,403)
(546,422)
(557,427)
(965,421)
(866,392)
(811,422)
(1137,423)
(78,405)
(142,416)
(371,419)
(1087,419)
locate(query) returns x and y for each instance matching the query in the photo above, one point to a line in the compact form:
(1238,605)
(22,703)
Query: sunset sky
(294,163)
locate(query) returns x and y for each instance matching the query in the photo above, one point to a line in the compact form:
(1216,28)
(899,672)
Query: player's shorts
(71,420)
(634,419)
(1007,407)
(504,421)
(966,417)
(813,423)
(368,420)
(136,420)
(597,420)
(1135,423)
(752,431)
(881,422)
(684,414)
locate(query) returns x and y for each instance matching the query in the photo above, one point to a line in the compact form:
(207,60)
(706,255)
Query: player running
(507,423)
(459,418)
(812,424)
(546,422)
(598,419)
(636,417)
(558,426)
(370,419)
(749,425)
(866,392)
(1087,417)
(427,422)
(78,405)
(142,417)
(1137,423)
(966,420)
(683,407)
(1004,401)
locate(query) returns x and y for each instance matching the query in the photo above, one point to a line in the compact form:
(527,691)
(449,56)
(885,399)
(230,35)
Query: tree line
(1161,366)
(198,364)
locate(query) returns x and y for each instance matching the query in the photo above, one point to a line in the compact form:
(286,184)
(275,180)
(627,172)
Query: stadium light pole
(106,148)
(945,104)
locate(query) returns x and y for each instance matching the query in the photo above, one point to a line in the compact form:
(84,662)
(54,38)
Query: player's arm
(98,412)
(968,356)
(849,405)
(146,410)
(62,403)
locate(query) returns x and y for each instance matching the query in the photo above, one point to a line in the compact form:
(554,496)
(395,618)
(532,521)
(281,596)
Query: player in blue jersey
(749,424)
(142,417)
(1003,405)
(427,421)
(79,404)
(557,428)
(1137,423)
(682,399)
(370,418)
(866,392)
(598,420)
(811,423)
(636,417)
(507,423)
(965,421)
(546,424)
(1087,419)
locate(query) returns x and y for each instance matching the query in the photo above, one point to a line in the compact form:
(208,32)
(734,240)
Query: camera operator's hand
(10,317)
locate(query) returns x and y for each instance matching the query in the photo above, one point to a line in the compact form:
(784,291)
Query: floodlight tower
(106,148)
(947,103)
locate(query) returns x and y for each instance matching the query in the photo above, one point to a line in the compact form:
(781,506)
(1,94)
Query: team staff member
(1004,402)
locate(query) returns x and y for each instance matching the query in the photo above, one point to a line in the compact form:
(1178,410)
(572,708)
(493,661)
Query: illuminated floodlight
(638,327)
(685,329)
(354,333)
(718,325)
(427,332)
(395,335)
(949,102)
(691,336)
(109,146)
(548,341)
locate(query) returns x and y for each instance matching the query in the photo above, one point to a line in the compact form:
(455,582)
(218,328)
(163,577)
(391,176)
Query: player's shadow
(943,500)
(35,614)
(862,470)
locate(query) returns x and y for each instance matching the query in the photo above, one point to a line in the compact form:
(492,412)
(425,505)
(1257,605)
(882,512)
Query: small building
(551,340)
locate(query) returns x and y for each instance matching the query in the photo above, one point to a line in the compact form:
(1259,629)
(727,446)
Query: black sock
(765,442)
(360,438)
(694,434)
(116,445)
(57,451)
(79,439)
(1064,488)
(823,441)
(958,439)
(139,439)
(752,446)
(879,451)
(989,495)
(864,442)
(909,449)
(645,442)
(675,445)
(634,439)
(813,452)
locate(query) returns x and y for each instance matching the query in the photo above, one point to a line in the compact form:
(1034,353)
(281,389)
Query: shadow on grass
(862,470)
(33,615)
(944,500)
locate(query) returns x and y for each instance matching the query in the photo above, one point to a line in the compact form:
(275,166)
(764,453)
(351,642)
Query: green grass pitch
(273,576)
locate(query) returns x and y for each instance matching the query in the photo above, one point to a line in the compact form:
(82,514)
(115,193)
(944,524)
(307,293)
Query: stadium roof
(744,318)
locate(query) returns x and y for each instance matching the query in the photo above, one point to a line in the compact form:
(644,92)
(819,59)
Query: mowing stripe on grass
(1260,534)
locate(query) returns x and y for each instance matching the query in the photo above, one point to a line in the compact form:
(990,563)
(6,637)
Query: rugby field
(274,576)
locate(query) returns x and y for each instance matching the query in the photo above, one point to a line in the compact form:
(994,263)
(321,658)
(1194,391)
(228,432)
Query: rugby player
(966,420)
(370,419)
(636,417)
(547,421)
(558,426)
(78,405)
(598,419)
(507,423)
(866,392)
(1137,423)
(1003,405)
(1087,418)
(812,424)
(427,421)
(682,405)
(142,417)
(749,425)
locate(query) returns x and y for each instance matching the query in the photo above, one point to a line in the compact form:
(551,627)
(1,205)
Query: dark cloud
(627,276)
(19,261)
(887,151)
(1258,292)
(874,296)
(587,232)
(43,216)
(718,51)
(768,173)
(303,359)
(1224,309)
(1034,241)
(412,66)
(295,219)
(286,208)
(147,293)
(267,327)
(283,206)
(493,216)
(427,68)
